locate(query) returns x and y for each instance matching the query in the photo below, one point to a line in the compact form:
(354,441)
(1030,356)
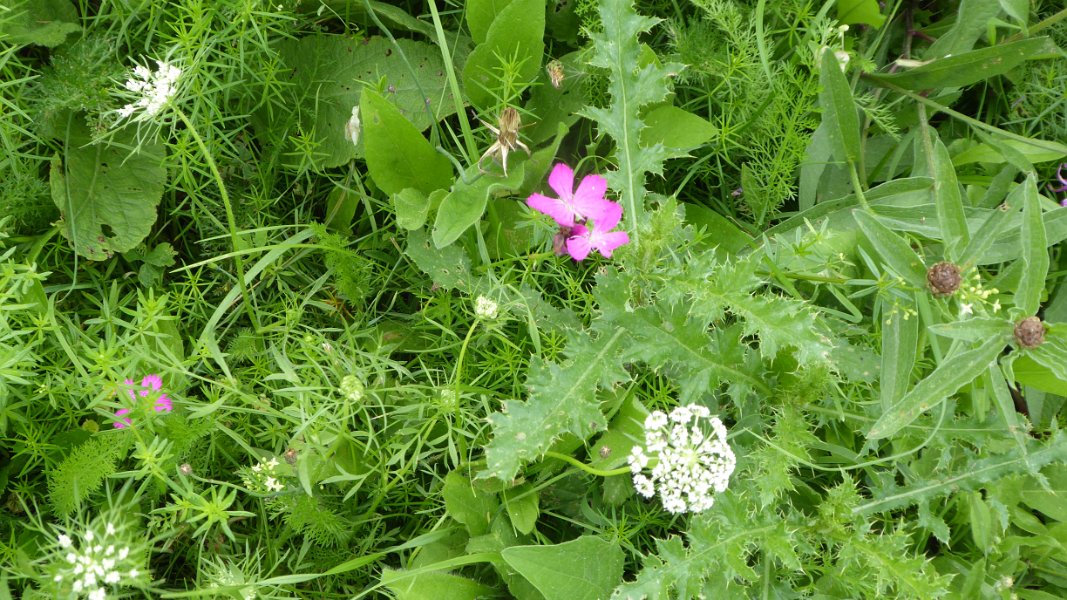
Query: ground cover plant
(564,299)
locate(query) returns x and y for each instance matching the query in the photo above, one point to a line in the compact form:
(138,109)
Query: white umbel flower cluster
(485,309)
(94,563)
(690,459)
(263,477)
(153,90)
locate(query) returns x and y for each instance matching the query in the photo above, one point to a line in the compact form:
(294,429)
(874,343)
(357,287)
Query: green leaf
(328,73)
(42,22)
(970,67)
(587,568)
(894,251)
(1038,152)
(398,156)
(449,267)
(1017,9)
(973,330)
(632,84)
(562,400)
(83,471)
(433,585)
(839,108)
(900,338)
(954,372)
(859,12)
(107,197)
(523,506)
(553,108)
(468,505)
(465,204)
(1052,355)
(972,21)
(1028,372)
(673,127)
(480,16)
(627,429)
(516,36)
(340,209)
(412,207)
(1035,252)
(949,203)
(989,231)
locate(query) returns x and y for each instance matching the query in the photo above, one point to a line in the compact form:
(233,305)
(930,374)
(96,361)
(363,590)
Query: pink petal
(124,422)
(553,207)
(153,381)
(608,242)
(129,388)
(561,179)
(163,404)
(578,246)
(609,215)
(590,191)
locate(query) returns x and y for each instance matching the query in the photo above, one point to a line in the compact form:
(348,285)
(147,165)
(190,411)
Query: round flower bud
(352,387)
(1030,332)
(944,278)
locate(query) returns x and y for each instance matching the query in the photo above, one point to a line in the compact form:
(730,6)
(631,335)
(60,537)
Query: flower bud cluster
(352,387)
(486,309)
(689,457)
(94,562)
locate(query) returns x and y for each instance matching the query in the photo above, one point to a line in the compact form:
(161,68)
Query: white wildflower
(90,563)
(485,309)
(690,458)
(152,90)
(64,541)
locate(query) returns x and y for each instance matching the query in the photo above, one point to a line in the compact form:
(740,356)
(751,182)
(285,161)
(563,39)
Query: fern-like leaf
(83,472)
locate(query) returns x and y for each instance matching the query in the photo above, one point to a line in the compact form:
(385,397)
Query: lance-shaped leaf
(107,196)
(894,251)
(989,231)
(949,203)
(1035,254)
(971,67)
(957,370)
(839,108)
(900,338)
(398,157)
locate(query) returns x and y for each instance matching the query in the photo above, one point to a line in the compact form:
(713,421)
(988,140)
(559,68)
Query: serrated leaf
(892,249)
(970,67)
(953,373)
(329,73)
(586,568)
(632,84)
(106,196)
(839,108)
(562,400)
(398,156)
(515,36)
(782,323)
(1034,250)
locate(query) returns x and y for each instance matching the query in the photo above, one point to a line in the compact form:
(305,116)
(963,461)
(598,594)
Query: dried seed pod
(1030,332)
(944,278)
(555,73)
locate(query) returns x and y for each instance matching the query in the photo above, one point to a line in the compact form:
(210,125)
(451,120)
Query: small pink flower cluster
(586,218)
(149,384)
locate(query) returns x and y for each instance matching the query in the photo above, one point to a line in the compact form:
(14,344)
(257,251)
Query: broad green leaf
(675,128)
(1034,251)
(340,209)
(1038,152)
(449,268)
(727,237)
(839,109)
(971,22)
(411,207)
(1052,354)
(41,22)
(981,521)
(523,507)
(900,338)
(465,204)
(553,108)
(432,585)
(516,37)
(970,67)
(859,12)
(893,250)
(949,203)
(329,73)
(587,568)
(480,16)
(632,84)
(1017,9)
(468,505)
(1029,372)
(107,197)
(954,372)
(627,429)
(562,399)
(398,156)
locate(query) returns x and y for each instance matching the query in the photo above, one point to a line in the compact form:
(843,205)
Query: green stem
(231,222)
(453,83)
(591,470)
(857,186)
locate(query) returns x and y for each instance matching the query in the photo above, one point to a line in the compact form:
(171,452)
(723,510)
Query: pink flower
(149,385)
(584,239)
(572,207)
(1063,183)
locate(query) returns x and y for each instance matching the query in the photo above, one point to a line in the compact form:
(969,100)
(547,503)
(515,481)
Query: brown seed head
(555,73)
(944,278)
(1030,332)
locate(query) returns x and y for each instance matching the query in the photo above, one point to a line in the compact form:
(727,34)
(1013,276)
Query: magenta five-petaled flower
(150,385)
(586,218)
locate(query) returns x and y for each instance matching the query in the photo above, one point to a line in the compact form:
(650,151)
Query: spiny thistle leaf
(562,399)
(632,85)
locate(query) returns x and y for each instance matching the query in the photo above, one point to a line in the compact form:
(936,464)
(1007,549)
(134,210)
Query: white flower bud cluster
(486,309)
(263,477)
(93,562)
(153,88)
(352,387)
(690,459)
